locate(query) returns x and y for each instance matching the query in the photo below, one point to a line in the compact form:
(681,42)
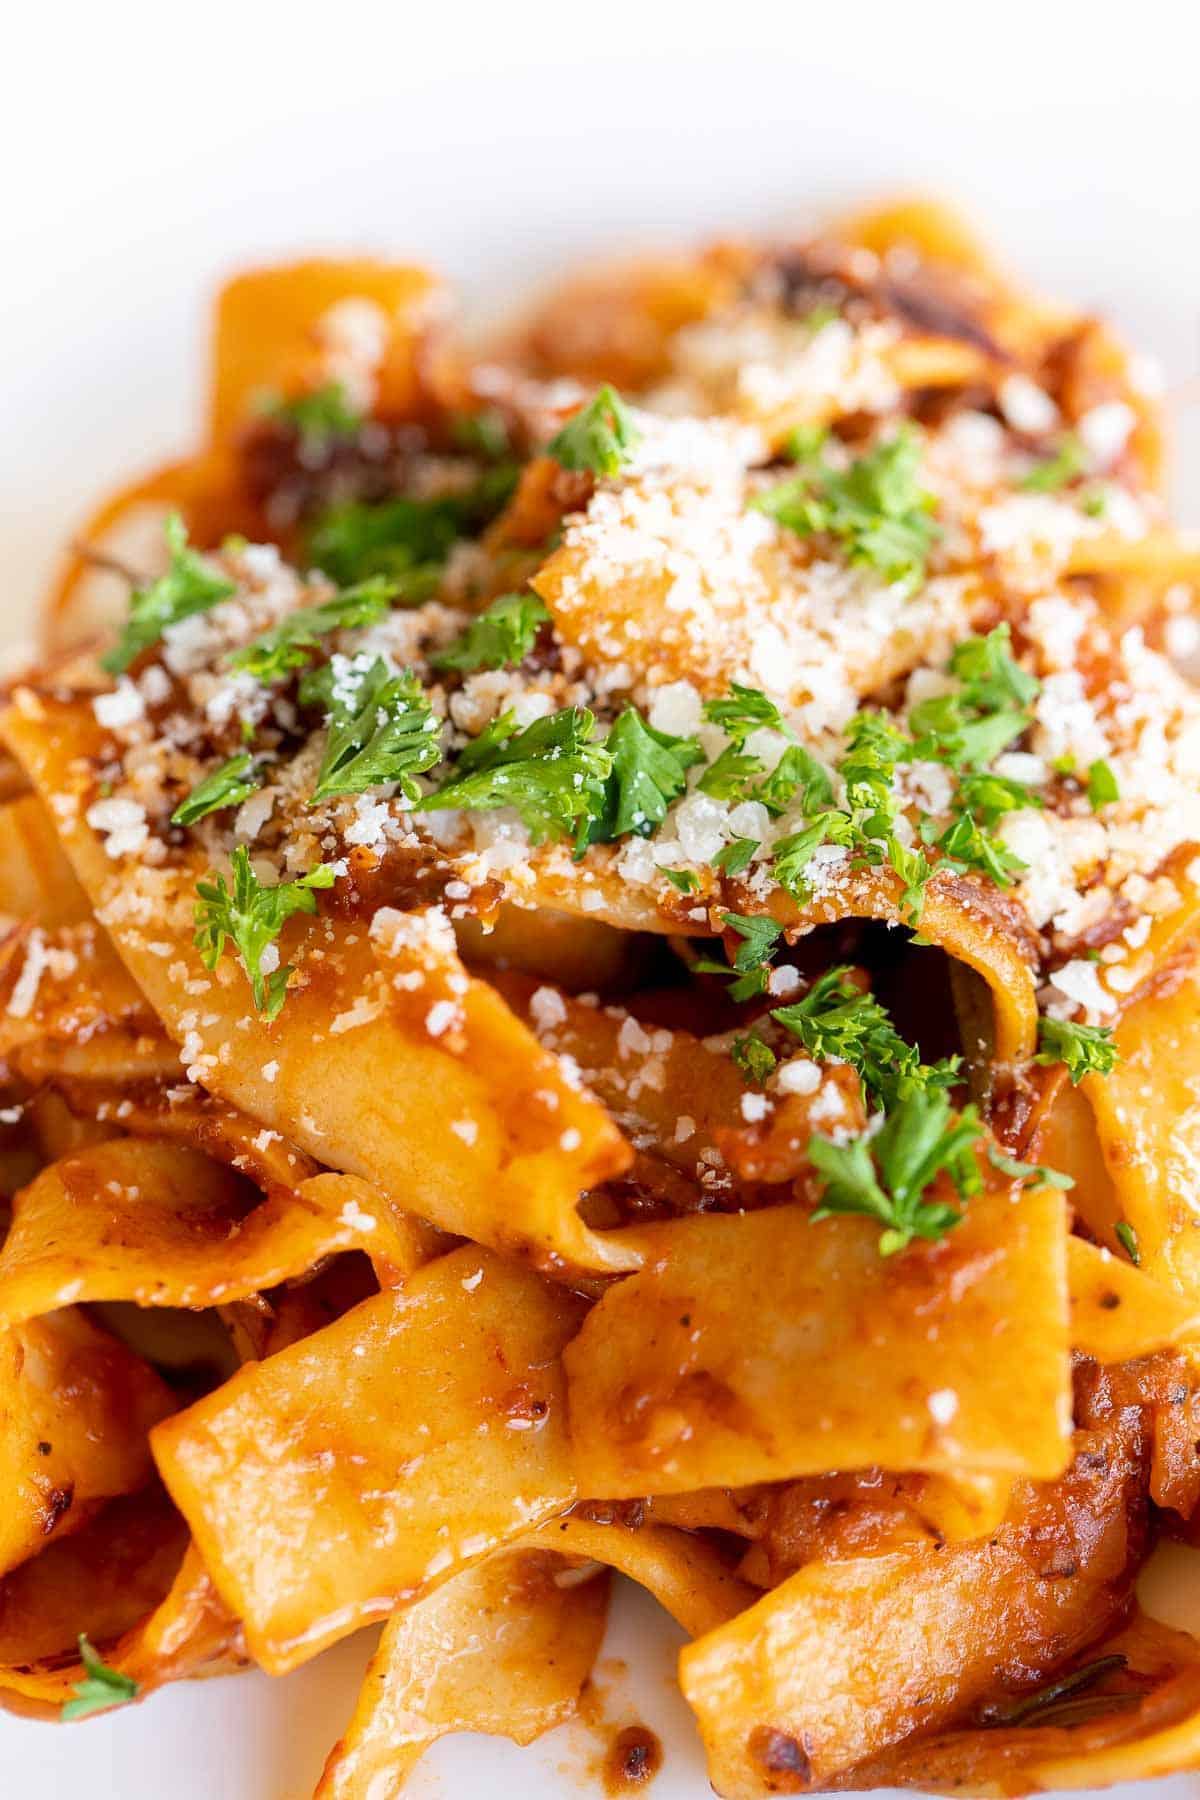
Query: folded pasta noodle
(599,973)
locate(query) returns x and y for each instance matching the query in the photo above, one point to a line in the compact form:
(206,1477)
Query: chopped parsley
(753,1059)
(648,770)
(1102,788)
(886,1175)
(551,773)
(793,854)
(743,710)
(837,1022)
(404,539)
(736,856)
(482,433)
(1054,472)
(189,586)
(1128,1239)
(228,785)
(318,418)
(1030,1175)
(797,775)
(966,844)
(876,509)
(1085,1049)
(499,638)
(969,728)
(290,644)
(100,1688)
(731,775)
(686,880)
(250,917)
(759,935)
(600,438)
(382,731)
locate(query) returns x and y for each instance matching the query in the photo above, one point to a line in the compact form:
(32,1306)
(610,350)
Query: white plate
(150,149)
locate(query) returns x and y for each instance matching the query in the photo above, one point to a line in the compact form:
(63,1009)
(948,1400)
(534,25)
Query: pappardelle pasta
(600,974)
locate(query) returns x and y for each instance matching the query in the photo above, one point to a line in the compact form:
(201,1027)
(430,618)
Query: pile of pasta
(599,974)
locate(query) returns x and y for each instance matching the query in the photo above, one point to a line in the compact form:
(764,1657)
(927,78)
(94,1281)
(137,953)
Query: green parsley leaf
(915,872)
(759,935)
(648,770)
(318,418)
(991,677)
(382,730)
(484,433)
(743,710)
(499,638)
(990,797)
(228,785)
(731,775)
(837,1022)
(886,1176)
(101,1687)
(1102,789)
(1085,1049)
(751,958)
(736,856)
(250,917)
(1128,1239)
(686,880)
(406,540)
(290,644)
(1030,1175)
(797,773)
(966,845)
(551,773)
(793,854)
(189,586)
(600,438)
(1054,472)
(754,1060)
(876,508)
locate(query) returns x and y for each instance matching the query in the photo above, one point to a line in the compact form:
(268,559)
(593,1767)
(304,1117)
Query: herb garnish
(290,644)
(228,785)
(886,1175)
(101,1687)
(382,730)
(600,438)
(1085,1049)
(250,917)
(318,418)
(876,508)
(649,770)
(837,1022)
(499,638)
(551,773)
(1054,472)
(189,586)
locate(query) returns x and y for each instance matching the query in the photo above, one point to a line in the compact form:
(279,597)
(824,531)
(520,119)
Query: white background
(147,150)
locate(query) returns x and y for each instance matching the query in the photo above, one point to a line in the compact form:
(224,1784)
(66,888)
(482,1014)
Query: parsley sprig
(886,1176)
(648,771)
(250,917)
(837,1022)
(318,417)
(405,539)
(1084,1049)
(189,586)
(228,785)
(1066,464)
(552,773)
(759,935)
(382,731)
(600,438)
(499,638)
(876,509)
(101,1687)
(290,645)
